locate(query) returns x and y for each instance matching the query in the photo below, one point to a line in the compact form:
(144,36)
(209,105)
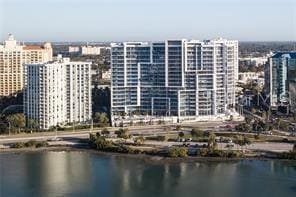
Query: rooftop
(280,54)
(33,47)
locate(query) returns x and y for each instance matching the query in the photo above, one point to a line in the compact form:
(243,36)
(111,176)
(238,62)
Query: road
(70,137)
(134,130)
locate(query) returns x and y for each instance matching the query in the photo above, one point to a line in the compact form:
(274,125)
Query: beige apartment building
(13,57)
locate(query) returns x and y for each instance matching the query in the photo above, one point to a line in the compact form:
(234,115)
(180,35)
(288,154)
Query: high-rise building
(58,92)
(186,79)
(280,80)
(13,57)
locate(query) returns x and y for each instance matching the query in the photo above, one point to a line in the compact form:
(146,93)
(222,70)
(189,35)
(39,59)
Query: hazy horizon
(148,20)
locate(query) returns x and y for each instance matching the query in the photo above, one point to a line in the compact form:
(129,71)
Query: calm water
(88,174)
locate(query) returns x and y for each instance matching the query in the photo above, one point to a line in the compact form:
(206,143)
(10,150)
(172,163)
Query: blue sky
(118,20)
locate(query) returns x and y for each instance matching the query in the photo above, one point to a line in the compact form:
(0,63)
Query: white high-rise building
(13,57)
(185,79)
(58,92)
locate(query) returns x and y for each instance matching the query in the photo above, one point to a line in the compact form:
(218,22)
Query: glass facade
(281,79)
(173,78)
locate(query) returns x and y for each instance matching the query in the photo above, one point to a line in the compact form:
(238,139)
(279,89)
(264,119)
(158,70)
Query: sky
(149,20)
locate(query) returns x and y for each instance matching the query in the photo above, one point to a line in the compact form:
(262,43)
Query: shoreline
(143,157)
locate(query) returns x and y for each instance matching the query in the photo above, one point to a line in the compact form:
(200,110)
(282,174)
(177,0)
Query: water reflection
(56,171)
(86,174)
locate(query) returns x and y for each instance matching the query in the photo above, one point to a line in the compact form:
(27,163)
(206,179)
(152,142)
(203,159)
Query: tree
(16,120)
(268,114)
(178,152)
(123,133)
(278,122)
(195,132)
(32,124)
(163,138)
(178,127)
(105,131)
(246,140)
(248,120)
(281,125)
(139,140)
(294,116)
(211,140)
(3,125)
(257,136)
(284,126)
(102,119)
(181,134)
(242,140)
(102,143)
(243,127)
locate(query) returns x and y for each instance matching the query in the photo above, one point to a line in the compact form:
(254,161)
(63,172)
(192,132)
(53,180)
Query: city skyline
(113,20)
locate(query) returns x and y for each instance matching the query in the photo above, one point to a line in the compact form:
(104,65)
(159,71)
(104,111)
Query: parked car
(229,145)
(267,132)
(189,140)
(54,139)
(186,144)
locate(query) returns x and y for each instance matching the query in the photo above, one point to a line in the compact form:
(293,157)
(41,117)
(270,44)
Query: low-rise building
(73,49)
(257,61)
(106,75)
(245,77)
(90,50)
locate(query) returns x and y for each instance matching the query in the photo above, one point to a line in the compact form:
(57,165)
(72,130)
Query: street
(73,137)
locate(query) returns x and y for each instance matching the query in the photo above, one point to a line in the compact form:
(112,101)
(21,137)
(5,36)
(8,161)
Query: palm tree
(264,115)
(278,122)
(211,140)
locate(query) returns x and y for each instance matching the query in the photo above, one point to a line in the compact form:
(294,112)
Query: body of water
(89,174)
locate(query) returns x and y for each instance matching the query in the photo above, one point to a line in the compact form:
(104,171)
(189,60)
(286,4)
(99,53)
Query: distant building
(74,49)
(90,50)
(257,61)
(106,75)
(58,92)
(182,79)
(280,79)
(13,57)
(247,77)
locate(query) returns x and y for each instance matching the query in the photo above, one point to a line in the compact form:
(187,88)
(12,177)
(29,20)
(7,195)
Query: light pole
(91,126)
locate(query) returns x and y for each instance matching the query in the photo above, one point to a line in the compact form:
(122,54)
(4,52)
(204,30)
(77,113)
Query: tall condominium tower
(13,57)
(58,92)
(280,80)
(186,79)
